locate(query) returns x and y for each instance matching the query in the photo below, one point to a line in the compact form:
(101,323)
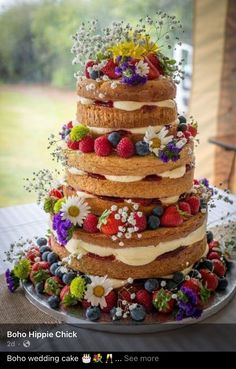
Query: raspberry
(141,222)
(111,300)
(144,298)
(218,267)
(90,223)
(73,145)
(184,206)
(86,144)
(213,255)
(125,148)
(110,69)
(69,125)
(102,146)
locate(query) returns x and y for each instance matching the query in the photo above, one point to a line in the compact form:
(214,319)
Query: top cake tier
(110,105)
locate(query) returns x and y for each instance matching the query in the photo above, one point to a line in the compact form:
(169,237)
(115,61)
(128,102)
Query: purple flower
(187,302)
(11,280)
(63,228)
(205,182)
(170,152)
(128,74)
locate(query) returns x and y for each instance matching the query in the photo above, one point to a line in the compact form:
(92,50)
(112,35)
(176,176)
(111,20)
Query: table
(216,333)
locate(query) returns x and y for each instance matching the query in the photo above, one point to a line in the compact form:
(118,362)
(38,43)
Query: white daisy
(97,290)
(142,68)
(75,209)
(157,140)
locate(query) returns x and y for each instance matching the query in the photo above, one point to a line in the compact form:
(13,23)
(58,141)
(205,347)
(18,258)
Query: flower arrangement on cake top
(130,54)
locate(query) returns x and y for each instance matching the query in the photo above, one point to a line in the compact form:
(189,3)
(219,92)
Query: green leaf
(171,61)
(69,300)
(41,275)
(204,294)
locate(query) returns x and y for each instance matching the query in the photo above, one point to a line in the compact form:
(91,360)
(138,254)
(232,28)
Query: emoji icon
(86,358)
(109,359)
(97,358)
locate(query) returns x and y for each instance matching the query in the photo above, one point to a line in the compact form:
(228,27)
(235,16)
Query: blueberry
(94,74)
(158,211)
(182,127)
(45,255)
(93,313)
(223,283)
(153,222)
(43,249)
(171,284)
(53,268)
(182,119)
(114,138)
(210,236)
(195,274)
(41,241)
(151,284)
(178,277)
(208,264)
(52,257)
(39,287)
(68,277)
(138,313)
(142,148)
(87,279)
(115,313)
(53,302)
(58,272)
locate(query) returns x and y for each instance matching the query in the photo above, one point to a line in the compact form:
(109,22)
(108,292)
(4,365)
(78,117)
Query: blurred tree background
(36,75)
(35,36)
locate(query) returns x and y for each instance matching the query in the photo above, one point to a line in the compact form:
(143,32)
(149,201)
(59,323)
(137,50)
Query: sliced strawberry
(109,69)
(40,265)
(171,217)
(153,71)
(33,253)
(218,267)
(213,255)
(185,207)
(213,244)
(194,203)
(156,62)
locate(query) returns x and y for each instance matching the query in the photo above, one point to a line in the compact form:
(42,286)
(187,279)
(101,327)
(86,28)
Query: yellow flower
(148,45)
(128,48)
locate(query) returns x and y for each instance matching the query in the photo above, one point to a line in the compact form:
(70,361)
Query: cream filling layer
(139,255)
(174,173)
(140,130)
(132,105)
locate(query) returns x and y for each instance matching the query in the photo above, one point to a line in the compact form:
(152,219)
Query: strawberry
(187,135)
(213,244)
(162,301)
(141,222)
(111,300)
(55,193)
(86,144)
(109,69)
(66,298)
(69,125)
(144,298)
(53,286)
(109,225)
(184,206)
(90,223)
(194,203)
(102,146)
(32,253)
(213,255)
(40,265)
(90,63)
(192,130)
(153,71)
(171,217)
(210,280)
(192,284)
(73,145)
(156,62)
(125,148)
(218,267)
(85,304)
(39,275)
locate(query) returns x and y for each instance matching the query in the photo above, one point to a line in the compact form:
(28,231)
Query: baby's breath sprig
(17,250)
(41,183)
(57,153)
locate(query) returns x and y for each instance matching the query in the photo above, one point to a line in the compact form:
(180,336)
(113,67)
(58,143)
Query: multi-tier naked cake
(129,220)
